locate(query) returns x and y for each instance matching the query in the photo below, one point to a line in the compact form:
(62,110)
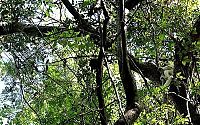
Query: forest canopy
(100,62)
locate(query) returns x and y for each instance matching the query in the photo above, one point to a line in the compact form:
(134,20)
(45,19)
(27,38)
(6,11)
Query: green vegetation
(94,62)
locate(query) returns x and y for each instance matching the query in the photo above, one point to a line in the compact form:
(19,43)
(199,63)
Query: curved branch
(132,108)
(22,92)
(83,24)
(149,70)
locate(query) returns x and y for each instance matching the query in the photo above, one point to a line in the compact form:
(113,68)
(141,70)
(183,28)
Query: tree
(85,69)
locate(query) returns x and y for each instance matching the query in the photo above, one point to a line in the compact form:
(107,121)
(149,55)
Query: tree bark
(132,108)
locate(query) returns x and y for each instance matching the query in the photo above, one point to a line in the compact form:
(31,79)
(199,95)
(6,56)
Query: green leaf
(161,37)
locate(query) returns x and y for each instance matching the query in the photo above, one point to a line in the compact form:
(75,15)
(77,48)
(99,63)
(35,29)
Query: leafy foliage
(49,79)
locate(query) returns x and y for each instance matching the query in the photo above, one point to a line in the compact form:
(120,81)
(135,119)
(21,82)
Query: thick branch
(28,29)
(124,68)
(148,69)
(82,22)
(99,70)
(132,109)
(130,4)
(99,75)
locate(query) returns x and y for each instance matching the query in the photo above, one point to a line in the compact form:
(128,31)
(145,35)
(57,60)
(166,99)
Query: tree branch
(179,86)
(130,4)
(82,23)
(28,29)
(132,108)
(148,69)
(99,75)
